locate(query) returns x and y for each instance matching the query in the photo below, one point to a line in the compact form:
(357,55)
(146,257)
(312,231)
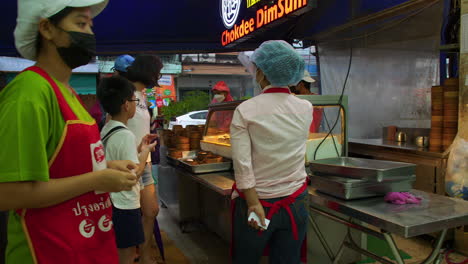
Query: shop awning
(189,26)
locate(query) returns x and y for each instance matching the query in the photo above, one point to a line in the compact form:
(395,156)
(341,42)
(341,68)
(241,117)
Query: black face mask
(81,50)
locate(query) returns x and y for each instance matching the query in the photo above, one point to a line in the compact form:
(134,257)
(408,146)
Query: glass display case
(327,134)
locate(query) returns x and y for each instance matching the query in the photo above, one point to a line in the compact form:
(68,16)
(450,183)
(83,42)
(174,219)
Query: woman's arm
(143,156)
(37,194)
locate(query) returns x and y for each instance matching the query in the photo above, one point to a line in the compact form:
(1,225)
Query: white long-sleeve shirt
(268,137)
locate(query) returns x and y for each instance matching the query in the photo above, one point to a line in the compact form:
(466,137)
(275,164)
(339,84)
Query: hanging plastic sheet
(391,74)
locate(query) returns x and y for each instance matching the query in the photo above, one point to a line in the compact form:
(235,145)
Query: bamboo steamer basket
(437,114)
(437,121)
(183,147)
(450,124)
(435,138)
(195,146)
(176,154)
(437,89)
(195,135)
(166,137)
(437,107)
(182,140)
(191,128)
(450,130)
(195,141)
(451,118)
(450,121)
(450,105)
(177,128)
(437,118)
(447,140)
(451,82)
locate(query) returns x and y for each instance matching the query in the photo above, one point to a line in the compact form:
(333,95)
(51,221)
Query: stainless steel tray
(375,170)
(348,189)
(202,168)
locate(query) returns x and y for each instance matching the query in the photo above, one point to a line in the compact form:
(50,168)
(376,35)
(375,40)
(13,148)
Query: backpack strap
(110,133)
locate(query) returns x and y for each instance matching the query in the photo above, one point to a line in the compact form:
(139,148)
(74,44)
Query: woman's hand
(258,209)
(122,165)
(149,147)
(146,140)
(110,180)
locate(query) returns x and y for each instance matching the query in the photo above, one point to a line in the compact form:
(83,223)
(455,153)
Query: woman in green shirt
(54,177)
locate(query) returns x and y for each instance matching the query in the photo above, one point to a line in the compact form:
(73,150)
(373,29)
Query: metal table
(436,213)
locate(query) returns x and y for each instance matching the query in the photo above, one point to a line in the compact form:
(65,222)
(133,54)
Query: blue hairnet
(280,63)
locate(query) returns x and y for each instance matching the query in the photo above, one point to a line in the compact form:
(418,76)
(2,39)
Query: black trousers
(3,235)
(248,245)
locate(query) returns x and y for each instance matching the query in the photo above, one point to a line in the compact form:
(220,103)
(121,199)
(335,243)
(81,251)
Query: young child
(116,95)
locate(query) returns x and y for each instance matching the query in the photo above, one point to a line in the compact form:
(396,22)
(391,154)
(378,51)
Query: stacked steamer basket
(437,116)
(177,142)
(182,143)
(450,120)
(195,137)
(167,137)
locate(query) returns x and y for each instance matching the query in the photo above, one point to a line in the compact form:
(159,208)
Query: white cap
(30,13)
(307,77)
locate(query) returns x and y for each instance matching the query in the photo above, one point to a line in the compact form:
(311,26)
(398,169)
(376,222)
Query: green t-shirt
(31,128)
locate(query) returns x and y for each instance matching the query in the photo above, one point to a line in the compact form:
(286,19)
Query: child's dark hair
(112,92)
(145,69)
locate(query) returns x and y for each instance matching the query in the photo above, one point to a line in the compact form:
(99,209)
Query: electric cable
(340,101)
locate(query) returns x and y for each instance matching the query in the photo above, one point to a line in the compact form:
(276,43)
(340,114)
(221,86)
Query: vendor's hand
(110,180)
(258,209)
(122,165)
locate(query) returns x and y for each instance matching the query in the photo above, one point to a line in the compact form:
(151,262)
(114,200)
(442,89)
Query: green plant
(193,101)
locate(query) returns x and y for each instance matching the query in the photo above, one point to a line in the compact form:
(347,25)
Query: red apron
(275,207)
(77,231)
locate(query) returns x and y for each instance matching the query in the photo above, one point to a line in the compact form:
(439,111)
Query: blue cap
(280,63)
(122,62)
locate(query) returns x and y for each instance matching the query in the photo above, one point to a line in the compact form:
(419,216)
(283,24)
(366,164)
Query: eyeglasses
(134,100)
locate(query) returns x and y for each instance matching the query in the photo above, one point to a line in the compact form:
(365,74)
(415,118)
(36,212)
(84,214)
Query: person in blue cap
(121,64)
(268,136)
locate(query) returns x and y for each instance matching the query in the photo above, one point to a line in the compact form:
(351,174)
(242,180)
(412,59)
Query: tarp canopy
(187,26)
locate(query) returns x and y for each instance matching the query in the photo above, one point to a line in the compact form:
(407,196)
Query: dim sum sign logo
(230,11)
(264,16)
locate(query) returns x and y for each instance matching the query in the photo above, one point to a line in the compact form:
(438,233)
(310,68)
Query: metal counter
(430,169)
(205,198)
(436,213)
(406,147)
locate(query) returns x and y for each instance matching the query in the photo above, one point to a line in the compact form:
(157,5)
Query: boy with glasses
(118,99)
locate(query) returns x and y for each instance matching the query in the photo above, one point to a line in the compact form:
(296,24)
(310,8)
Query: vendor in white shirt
(268,137)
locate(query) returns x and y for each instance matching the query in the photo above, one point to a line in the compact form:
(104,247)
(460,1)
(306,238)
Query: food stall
(346,194)
(200,192)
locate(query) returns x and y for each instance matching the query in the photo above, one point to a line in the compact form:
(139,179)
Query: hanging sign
(159,102)
(259,15)
(167,89)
